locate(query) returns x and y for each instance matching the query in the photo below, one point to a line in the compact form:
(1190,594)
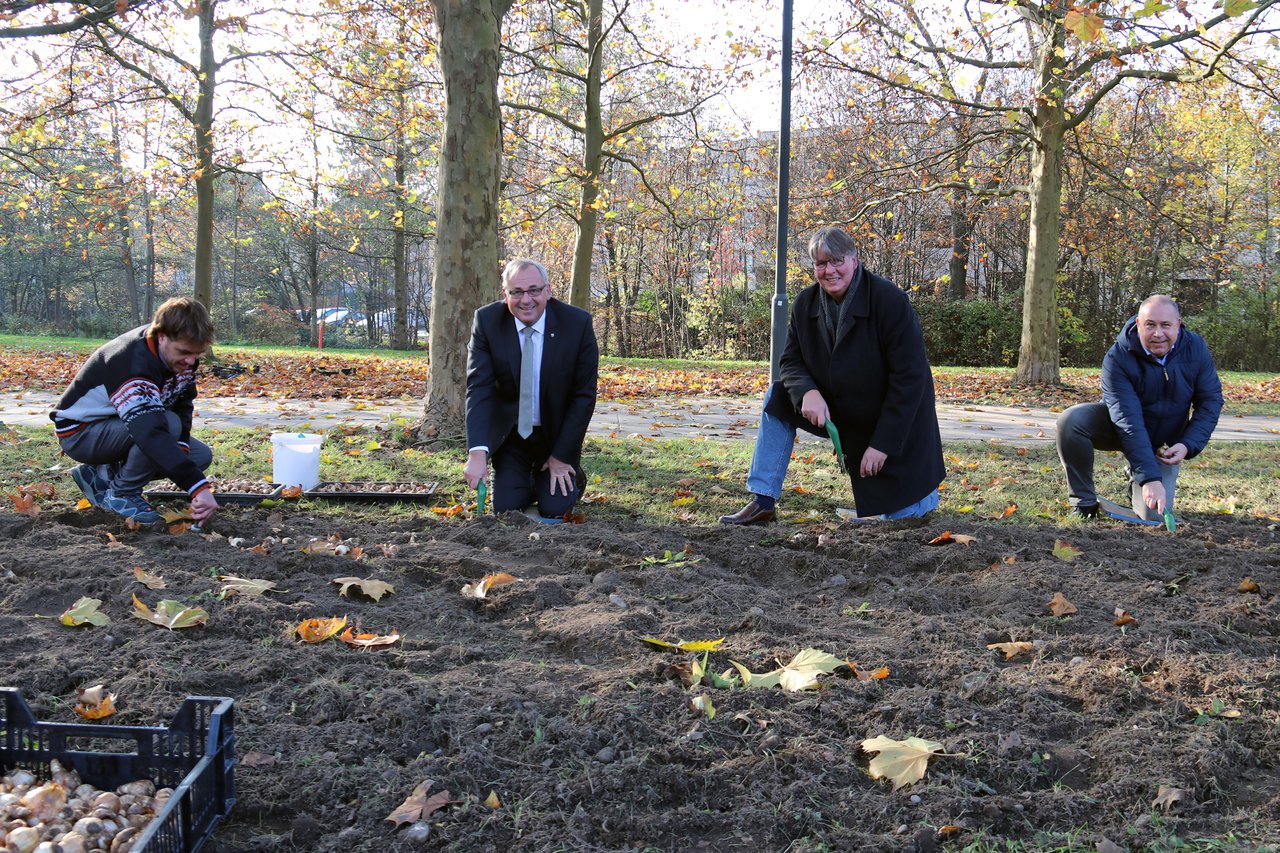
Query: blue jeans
(772,455)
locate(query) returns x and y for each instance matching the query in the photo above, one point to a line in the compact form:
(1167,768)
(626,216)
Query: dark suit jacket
(877,384)
(567,389)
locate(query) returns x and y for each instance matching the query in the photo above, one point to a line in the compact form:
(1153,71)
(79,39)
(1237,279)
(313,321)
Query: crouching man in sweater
(126,417)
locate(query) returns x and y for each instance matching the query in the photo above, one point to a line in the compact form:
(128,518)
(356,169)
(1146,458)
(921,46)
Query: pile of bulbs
(65,816)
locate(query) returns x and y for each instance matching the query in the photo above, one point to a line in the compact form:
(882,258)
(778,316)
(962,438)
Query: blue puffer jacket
(1153,404)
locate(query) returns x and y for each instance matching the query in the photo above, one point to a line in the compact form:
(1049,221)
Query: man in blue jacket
(1161,398)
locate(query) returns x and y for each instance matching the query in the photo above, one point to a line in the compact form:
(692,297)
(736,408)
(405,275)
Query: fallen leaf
(703,706)
(488,582)
(253,758)
(1124,617)
(1009,510)
(172,515)
(1063,551)
(1012,650)
(83,503)
(24,504)
(368,641)
(291,493)
(318,630)
(964,539)
(903,762)
(367,586)
(872,675)
(233,586)
(1169,798)
(94,703)
(944,538)
(170,614)
(418,806)
(801,673)
(1060,606)
(85,612)
(147,579)
(690,646)
(492,800)
(1248,585)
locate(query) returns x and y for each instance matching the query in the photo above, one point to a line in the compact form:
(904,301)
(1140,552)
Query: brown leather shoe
(750,514)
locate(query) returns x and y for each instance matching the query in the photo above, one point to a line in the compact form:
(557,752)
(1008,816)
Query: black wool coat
(877,384)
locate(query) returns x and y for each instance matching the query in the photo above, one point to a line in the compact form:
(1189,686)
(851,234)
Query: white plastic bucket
(295,459)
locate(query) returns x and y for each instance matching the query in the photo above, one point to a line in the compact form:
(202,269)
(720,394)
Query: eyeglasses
(830,262)
(517,295)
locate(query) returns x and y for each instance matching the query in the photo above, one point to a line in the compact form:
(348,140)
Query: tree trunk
(961,233)
(129,272)
(593,145)
(1038,353)
(204,157)
(466,267)
(399,257)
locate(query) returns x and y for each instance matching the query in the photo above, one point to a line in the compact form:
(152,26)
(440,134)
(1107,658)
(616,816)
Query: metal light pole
(778,338)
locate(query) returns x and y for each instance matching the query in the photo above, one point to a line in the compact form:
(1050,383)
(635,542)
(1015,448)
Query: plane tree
(1042,67)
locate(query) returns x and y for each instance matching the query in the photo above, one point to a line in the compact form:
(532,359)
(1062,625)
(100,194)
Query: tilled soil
(544,694)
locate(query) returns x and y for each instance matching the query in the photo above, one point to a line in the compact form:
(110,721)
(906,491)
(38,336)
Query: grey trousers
(1086,428)
(108,445)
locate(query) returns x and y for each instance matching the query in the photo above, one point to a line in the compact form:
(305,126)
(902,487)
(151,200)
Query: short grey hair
(519,265)
(1159,299)
(834,241)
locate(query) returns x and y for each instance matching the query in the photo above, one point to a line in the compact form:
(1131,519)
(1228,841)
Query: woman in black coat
(854,355)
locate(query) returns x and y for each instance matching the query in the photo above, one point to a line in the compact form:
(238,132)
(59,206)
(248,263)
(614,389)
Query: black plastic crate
(195,755)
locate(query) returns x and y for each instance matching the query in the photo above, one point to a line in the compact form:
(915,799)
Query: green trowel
(835,440)
(482,492)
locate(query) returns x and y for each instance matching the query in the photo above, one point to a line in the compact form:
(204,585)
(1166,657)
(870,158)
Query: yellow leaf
(492,800)
(682,501)
(801,673)
(690,646)
(902,762)
(83,503)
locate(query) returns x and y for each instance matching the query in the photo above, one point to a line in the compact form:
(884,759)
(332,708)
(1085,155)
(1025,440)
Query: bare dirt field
(1148,734)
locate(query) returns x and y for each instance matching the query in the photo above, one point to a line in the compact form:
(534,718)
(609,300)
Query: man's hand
(561,474)
(1153,495)
(872,462)
(1172,455)
(476,467)
(203,506)
(814,408)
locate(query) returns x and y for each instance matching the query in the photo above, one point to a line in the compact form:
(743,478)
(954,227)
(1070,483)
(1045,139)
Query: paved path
(711,417)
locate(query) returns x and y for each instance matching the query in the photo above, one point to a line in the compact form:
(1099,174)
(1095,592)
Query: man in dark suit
(531,391)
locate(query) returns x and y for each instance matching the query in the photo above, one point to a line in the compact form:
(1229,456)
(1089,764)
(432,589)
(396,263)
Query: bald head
(1159,322)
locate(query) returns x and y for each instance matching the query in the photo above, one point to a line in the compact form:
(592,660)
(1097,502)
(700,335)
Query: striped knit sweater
(126,378)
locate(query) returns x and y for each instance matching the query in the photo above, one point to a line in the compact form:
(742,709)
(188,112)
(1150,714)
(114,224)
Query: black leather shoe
(750,514)
(1085,510)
